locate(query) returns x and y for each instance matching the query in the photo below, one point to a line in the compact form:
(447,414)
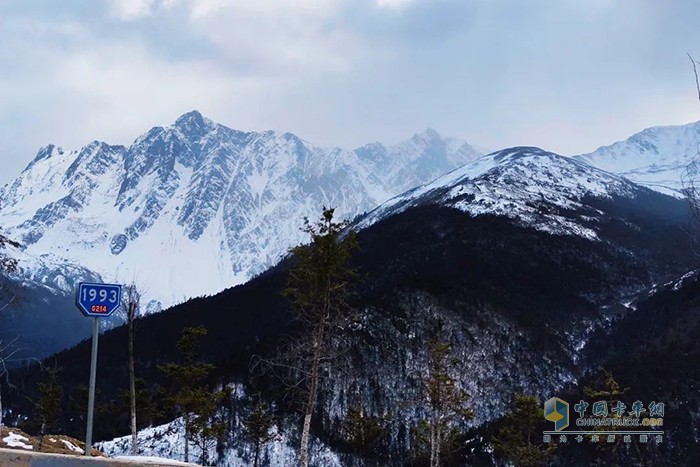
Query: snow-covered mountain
(656,157)
(539,189)
(524,256)
(195,207)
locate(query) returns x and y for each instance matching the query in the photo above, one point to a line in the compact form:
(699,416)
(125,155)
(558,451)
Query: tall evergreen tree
(362,431)
(609,389)
(445,401)
(258,428)
(47,407)
(189,396)
(147,405)
(519,434)
(76,402)
(605,387)
(318,286)
(208,424)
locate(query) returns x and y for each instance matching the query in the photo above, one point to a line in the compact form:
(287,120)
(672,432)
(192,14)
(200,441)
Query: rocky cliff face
(215,206)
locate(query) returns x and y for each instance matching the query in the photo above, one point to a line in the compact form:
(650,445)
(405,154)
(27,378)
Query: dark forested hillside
(653,353)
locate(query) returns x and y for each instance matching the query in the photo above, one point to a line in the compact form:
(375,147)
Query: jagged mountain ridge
(519,296)
(216,206)
(538,188)
(656,157)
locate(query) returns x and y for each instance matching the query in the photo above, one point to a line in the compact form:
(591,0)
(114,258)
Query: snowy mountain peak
(536,187)
(216,206)
(412,161)
(46,152)
(193,124)
(428,134)
(656,157)
(523,152)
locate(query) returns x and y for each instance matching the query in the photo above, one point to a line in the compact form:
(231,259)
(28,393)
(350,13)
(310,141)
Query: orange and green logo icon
(557,411)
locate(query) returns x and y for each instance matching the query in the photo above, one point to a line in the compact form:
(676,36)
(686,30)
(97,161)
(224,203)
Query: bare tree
(690,178)
(695,70)
(132,303)
(8,265)
(7,351)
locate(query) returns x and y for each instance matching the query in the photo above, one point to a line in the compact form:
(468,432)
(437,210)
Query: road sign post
(96,300)
(91,390)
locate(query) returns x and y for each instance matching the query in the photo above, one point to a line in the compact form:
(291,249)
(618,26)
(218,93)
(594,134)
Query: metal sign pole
(91,395)
(96,301)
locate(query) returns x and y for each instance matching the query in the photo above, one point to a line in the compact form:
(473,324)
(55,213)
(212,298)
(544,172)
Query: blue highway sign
(98,299)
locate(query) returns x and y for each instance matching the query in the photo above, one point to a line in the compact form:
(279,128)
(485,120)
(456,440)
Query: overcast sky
(565,75)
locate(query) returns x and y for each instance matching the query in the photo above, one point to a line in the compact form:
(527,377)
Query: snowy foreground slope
(657,157)
(167,441)
(195,207)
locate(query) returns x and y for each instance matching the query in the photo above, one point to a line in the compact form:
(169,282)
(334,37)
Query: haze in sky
(565,75)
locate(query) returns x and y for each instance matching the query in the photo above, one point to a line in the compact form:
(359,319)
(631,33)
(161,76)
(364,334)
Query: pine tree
(47,407)
(318,286)
(189,396)
(608,389)
(258,426)
(77,401)
(605,388)
(517,435)
(147,402)
(446,403)
(362,431)
(208,425)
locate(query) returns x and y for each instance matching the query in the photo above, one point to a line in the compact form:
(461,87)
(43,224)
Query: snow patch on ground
(150,460)
(167,441)
(17,441)
(72,447)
